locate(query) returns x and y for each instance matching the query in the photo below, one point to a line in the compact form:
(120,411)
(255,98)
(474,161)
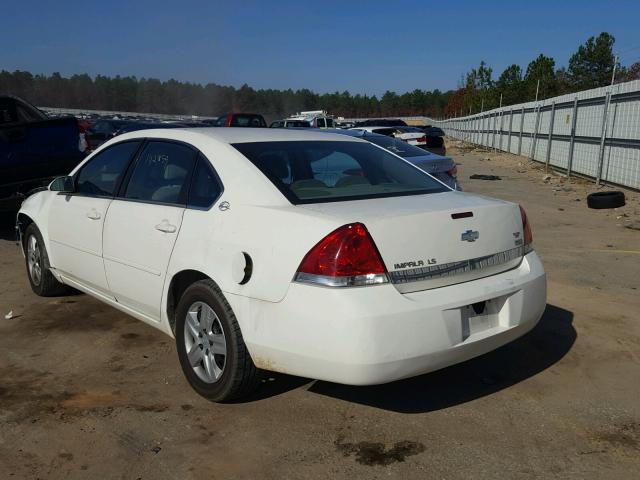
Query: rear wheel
(210,347)
(42,281)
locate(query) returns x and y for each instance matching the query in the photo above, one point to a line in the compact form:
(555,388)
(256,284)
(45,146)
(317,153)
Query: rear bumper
(372,335)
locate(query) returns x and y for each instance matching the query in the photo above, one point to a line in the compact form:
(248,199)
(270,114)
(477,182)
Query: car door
(143,222)
(76,219)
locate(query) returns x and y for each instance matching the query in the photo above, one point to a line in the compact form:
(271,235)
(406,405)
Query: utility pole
(615,64)
(537,89)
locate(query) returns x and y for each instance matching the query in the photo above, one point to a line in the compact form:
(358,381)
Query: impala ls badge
(470,236)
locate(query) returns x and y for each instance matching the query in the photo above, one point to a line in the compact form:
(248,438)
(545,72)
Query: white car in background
(311,254)
(410,135)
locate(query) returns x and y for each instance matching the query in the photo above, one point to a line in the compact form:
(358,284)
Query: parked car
(382,122)
(435,139)
(241,120)
(103,130)
(412,136)
(33,149)
(297,251)
(288,123)
(440,167)
(315,118)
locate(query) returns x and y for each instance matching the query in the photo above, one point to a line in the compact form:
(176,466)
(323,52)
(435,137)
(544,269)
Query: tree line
(591,66)
(151,95)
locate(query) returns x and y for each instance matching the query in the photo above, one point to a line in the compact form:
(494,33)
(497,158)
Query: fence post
(603,136)
(532,148)
(501,129)
(550,138)
(493,133)
(521,127)
(510,125)
(573,137)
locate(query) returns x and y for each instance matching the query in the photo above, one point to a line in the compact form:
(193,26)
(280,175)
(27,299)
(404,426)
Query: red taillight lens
(229,119)
(453,172)
(526,228)
(346,257)
(422,139)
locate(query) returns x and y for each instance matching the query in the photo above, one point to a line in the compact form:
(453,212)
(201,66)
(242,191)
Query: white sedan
(411,135)
(306,253)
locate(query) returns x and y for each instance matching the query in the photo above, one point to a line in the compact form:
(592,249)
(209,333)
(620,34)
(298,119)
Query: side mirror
(62,184)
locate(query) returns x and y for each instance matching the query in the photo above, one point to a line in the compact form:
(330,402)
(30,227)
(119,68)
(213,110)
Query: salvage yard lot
(87,392)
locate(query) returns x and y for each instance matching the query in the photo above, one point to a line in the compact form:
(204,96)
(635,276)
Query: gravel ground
(87,392)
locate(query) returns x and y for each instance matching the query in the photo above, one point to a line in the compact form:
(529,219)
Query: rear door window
(321,123)
(100,175)
(162,173)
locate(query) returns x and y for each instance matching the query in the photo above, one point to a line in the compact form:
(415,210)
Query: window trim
(133,156)
(120,192)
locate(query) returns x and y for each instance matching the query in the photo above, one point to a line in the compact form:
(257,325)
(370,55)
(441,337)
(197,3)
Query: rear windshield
(243,120)
(329,171)
(396,146)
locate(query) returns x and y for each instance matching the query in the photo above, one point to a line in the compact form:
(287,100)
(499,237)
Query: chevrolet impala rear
(413,278)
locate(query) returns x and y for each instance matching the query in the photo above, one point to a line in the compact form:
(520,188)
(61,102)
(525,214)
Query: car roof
(240,135)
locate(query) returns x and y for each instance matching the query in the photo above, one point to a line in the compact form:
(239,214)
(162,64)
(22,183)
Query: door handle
(93,214)
(166,227)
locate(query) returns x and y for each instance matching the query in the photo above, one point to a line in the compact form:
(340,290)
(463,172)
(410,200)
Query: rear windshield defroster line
(311,171)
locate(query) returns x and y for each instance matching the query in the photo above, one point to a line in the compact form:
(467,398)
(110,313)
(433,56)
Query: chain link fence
(593,133)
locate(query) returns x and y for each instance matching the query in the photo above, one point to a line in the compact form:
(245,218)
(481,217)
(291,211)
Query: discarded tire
(605,199)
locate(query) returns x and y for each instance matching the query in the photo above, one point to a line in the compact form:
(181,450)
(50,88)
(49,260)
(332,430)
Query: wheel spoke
(207,317)
(195,355)
(219,346)
(213,371)
(192,324)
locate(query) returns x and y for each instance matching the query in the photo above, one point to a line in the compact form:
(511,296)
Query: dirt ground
(87,392)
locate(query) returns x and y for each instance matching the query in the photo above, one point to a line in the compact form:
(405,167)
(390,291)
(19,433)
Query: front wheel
(42,281)
(212,353)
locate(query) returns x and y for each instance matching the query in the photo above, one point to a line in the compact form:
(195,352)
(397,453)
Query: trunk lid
(424,247)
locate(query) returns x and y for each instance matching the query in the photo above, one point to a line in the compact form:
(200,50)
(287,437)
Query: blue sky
(359,46)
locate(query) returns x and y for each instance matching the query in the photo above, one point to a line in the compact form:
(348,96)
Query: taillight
(526,228)
(453,172)
(422,139)
(344,258)
(227,122)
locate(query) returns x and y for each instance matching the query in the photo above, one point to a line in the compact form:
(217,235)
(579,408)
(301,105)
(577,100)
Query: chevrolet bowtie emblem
(470,236)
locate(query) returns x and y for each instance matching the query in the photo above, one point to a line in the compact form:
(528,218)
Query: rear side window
(330,171)
(101,175)
(205,187)
(330,123)
(321,123)
(162,173)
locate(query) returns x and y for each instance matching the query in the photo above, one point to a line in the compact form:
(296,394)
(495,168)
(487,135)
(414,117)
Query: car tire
(42,281)
(601,200)
(204,323)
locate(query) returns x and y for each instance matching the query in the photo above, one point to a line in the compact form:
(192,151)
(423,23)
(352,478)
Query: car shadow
(523,358)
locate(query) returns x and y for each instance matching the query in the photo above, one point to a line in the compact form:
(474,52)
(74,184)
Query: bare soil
(87,392)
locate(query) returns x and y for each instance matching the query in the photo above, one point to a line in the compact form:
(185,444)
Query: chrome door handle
(93,214)
(166,227)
